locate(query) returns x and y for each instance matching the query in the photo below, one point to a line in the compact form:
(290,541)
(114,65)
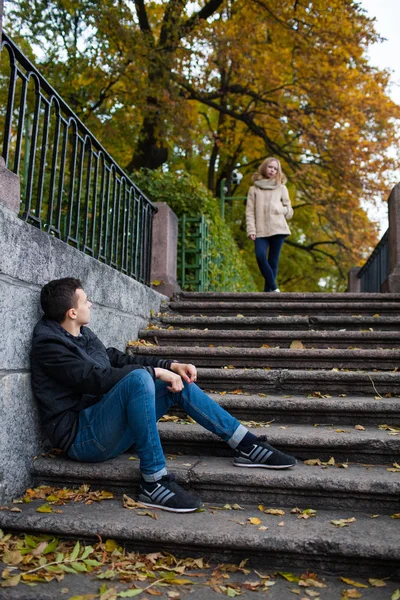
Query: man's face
(82,307)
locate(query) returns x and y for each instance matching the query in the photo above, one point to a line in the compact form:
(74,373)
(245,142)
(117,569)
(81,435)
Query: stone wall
(29,258)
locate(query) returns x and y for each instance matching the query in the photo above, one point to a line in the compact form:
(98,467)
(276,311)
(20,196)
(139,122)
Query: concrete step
(199,581)
(290,381)
(372,446)
(267,308)
(328,410)
(280,323)
(284,296)
(369,545)
(217,480)
(282,339)
(285,358)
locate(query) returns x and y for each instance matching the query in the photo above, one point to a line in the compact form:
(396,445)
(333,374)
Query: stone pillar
(164,250)
(392,283)
(10,194)
(353,281)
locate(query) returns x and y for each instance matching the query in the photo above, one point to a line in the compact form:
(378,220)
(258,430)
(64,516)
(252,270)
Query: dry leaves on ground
(277,512)
(343,522)
(317,462)
(59,496)
(390,429)
(304,514)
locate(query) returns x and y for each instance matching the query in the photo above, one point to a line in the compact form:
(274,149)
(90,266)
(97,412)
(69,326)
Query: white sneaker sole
(250,466)
(167,508)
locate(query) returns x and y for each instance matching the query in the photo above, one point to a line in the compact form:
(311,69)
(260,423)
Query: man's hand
(174,380)
(252,236)
(187,372)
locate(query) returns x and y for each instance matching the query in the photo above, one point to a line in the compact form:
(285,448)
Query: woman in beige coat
(268,206)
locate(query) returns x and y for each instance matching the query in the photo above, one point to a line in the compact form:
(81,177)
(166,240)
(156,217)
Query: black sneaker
(262,455)
(167,494)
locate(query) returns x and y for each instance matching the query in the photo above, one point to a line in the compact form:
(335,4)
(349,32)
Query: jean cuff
(155,476)
(237,437)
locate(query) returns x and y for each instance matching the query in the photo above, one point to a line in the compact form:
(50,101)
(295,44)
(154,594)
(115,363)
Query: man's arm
(120,359)
(65,366)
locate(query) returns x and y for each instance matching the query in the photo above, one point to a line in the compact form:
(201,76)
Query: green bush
(185,194)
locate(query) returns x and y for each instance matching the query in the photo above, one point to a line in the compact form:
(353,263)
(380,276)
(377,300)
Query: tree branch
(144,23)
(208,9)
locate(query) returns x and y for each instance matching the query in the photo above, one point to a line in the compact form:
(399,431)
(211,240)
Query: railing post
(392,283)
(164,250)
(353,281)
(10,194)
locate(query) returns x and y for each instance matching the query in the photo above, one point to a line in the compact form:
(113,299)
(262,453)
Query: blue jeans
(269,267)
(128,414)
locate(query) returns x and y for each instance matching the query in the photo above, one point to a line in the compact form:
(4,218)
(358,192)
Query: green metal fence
(193,254)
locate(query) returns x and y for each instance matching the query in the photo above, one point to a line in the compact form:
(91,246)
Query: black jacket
(71,373)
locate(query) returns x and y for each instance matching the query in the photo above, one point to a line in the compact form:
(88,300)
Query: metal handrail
(71,186)
(376,269)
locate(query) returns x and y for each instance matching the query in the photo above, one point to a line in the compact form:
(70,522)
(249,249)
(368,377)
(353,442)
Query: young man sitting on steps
(95,402)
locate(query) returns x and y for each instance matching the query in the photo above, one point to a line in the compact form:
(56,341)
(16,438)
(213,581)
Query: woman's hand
(174,380)
(252,236)
(187,372)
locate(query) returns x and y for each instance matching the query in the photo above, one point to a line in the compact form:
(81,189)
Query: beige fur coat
(268,206)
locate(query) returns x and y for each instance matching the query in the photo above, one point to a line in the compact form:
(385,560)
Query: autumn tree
(220,84)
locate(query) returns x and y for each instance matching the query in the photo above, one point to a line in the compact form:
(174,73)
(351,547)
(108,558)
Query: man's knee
(140,378)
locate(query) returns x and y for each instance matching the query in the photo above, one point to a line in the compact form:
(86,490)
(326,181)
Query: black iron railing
(376,269)
(70,185)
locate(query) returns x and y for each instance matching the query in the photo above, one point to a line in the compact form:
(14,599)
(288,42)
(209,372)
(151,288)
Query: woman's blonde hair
(262,171)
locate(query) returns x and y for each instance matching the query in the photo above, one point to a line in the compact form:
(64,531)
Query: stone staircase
(315,373)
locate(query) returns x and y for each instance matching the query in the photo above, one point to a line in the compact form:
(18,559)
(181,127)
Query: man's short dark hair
(58,296)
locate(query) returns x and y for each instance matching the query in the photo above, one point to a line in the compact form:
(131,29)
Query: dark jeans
(269,266)
(128,415)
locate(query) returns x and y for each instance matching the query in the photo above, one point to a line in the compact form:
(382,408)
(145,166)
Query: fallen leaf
(147,513)
(252,585)
(351,593)
(311,582)
(11,581)
(312,462)
(130,503)
(395,595)
(307,513)
(395,516)
(297,345)
(44,508)
(254,520)
(377,582)
(281,524)
(274,511)
(359,427)
(289,576)
(343,522)
(352,582)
